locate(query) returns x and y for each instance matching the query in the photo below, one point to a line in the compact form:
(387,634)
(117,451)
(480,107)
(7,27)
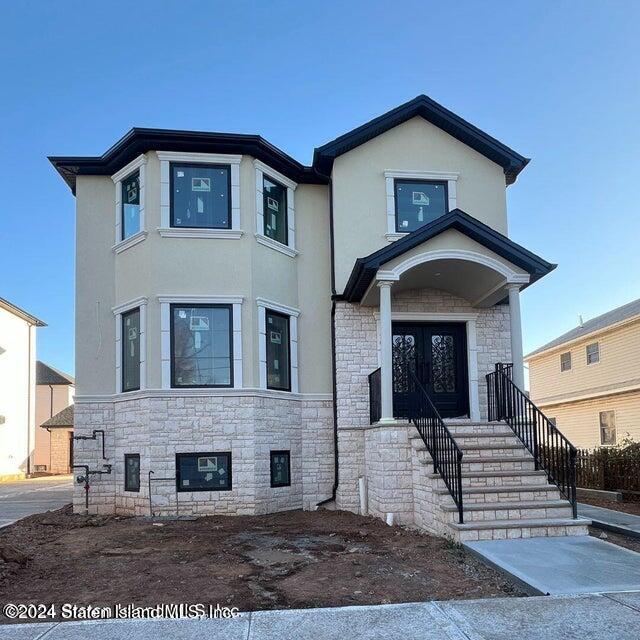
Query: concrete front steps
(504,496)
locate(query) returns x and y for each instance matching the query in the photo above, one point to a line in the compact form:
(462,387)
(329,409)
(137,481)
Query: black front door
(437,354)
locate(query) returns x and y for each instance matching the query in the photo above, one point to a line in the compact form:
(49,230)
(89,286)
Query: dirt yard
(286,560)
(616,538)
(626,506)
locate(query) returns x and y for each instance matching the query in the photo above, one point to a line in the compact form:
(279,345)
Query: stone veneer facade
(249,425)
(383,454)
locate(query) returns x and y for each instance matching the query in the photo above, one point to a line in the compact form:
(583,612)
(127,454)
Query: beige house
(254,334)
(588,379)
(17,390)
(54,392)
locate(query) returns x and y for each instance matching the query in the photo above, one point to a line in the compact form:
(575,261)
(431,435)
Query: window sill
(392,237)
(218,234)
(131,241)
(278,246)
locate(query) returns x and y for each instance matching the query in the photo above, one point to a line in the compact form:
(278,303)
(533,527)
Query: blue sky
(557,81)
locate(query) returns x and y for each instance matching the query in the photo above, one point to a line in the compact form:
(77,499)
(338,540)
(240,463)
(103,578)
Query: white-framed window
(278,346)
(607,428)
(201,341)
(275,210)
(131,345)
(565,361)
(199,195)
(130,222)
(593,353)
(415,198)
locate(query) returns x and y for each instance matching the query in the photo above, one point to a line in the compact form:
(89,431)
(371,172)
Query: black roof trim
(423,106)
(21,313)
(140,140)
(364,269)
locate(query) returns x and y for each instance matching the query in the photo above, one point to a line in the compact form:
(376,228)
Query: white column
(386,363)
(516,335)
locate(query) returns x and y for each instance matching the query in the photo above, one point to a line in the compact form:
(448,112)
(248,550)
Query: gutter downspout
(29,394)
(336,477)
(50,416)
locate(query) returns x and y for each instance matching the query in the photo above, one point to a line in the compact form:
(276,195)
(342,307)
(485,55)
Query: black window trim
(200,305)
(123,345)
(127,177)
(266,176)
(397,181)
(127,456)
(267,313)
(201,165)
(279,452)
(193,454)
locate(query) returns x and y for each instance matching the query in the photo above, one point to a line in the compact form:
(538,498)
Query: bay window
(201,345)
(131,350)
(275,210)
(130,203)
(278,356)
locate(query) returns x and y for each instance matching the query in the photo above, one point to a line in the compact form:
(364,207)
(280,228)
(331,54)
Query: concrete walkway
(26,497)
(617,521)
(594,617)
(563,565)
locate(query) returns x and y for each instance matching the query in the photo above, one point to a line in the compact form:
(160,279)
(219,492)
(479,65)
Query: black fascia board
(365,269)
(139,140)
(511,161)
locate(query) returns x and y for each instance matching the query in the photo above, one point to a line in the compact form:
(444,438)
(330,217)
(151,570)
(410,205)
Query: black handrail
(441,445)
(375,397)
(551,451)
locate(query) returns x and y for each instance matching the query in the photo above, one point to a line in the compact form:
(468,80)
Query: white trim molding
(166,300)
(122,244)
(391,176)
(264,305)
(510,275)
(118,311)
(261,170)
(470,320)
(165,229)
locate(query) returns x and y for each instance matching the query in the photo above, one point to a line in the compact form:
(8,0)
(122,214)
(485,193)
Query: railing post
(572,482)
(459,466)
(435,444)
(535,440)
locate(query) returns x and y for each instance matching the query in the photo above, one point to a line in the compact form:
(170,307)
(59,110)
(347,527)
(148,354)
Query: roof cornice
(21,313)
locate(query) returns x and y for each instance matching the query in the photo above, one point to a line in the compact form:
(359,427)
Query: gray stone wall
(159,426)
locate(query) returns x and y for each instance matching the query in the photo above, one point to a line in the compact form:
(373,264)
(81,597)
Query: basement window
(280,469)
(203,471)
(593,353)
(565,361)
(132,472)
(419,202)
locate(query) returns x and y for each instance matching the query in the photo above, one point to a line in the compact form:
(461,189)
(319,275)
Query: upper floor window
(593,353)
(130,199)
(200,196)
(419,202)
(607,427)
(275,210)
(565,361)
(201,345)
(278,357)
(131,350)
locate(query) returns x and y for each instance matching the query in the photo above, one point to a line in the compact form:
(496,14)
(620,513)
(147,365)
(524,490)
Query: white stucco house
(17,390)
(254,334)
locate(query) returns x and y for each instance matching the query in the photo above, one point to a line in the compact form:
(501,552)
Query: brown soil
(616,538)
(627,507)
(286,560)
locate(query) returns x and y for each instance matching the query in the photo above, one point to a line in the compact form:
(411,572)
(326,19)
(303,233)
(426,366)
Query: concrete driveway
(26,497)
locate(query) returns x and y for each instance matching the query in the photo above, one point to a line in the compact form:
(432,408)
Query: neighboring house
(60,426)
(588,379)
(231,304)
(17,390)
(54,392)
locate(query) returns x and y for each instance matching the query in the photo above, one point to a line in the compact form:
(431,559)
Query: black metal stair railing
(441,445)
(375,397)
(551,451)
